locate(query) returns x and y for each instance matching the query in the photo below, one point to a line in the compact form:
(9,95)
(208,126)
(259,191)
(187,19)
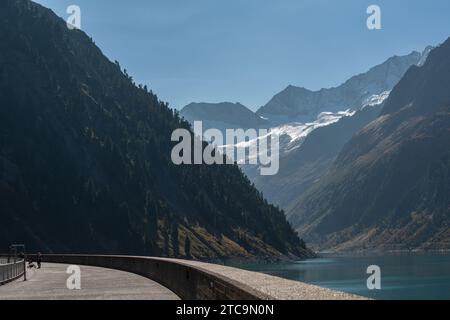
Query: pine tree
(174,240)
(187,247)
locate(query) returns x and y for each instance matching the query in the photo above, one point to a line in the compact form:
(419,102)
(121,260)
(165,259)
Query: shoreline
(381,252)
(325,254)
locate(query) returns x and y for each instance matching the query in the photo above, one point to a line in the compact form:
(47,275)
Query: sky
(248,50)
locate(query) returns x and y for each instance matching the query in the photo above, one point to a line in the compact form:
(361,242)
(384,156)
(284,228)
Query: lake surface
(406,276)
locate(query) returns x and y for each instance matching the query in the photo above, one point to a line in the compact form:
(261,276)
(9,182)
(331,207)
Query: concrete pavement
(49,283)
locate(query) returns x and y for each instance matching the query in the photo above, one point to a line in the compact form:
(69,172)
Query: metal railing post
(24,268)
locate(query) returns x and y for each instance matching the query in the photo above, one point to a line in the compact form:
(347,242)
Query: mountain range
(295,112)
(85,160)
(302,105)
(365,165)
(333,116)
(389,187)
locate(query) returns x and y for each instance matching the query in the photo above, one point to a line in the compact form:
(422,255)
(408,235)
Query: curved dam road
(159,279)
(49,283)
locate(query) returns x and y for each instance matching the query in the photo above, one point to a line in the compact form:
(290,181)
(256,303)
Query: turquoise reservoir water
(403,276)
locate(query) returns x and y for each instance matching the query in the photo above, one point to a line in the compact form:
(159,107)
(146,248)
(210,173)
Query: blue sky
(248,50)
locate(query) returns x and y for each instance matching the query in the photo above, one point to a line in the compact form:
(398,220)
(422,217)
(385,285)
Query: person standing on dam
(39,260)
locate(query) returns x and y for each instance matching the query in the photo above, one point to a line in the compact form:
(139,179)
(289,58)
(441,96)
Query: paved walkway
(49,283)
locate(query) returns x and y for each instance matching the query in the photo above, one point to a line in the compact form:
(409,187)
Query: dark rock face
(390,185)
(85,159)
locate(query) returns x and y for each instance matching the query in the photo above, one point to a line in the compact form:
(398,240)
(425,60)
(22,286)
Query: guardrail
(11,271)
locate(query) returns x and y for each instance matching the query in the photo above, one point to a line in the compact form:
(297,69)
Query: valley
(319,169)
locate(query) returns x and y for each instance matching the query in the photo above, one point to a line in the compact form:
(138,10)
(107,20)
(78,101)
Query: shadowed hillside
(85,159)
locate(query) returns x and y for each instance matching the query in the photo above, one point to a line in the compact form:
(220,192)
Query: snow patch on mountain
(375,99)
(292,135)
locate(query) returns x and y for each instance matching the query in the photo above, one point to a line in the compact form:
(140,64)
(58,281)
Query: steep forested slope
(85,158)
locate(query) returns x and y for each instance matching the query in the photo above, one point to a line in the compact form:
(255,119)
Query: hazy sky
(248,50)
